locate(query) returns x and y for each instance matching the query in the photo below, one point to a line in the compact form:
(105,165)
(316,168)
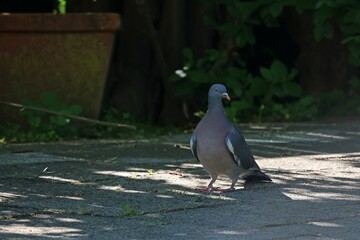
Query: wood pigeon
(220,147)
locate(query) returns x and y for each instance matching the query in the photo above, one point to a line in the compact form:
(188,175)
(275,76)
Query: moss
(71,65)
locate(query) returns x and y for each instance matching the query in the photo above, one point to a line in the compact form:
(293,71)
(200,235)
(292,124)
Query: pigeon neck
(215,104)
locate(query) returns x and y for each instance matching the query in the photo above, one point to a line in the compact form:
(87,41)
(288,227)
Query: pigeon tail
(255,175)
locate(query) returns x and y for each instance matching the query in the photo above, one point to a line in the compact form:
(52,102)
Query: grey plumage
(220,147)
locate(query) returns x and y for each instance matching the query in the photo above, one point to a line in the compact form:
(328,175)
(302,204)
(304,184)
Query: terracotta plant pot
(67,55)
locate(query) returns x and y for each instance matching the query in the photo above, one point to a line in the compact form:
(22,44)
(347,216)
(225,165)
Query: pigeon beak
(225,95)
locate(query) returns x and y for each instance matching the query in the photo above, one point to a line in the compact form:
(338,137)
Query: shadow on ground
(145,189)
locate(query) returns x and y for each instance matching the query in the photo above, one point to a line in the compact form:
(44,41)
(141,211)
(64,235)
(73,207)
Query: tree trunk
(323,65)
(137,68)
(182,26)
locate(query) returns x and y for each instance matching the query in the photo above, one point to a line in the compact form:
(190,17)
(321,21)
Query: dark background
(148,50)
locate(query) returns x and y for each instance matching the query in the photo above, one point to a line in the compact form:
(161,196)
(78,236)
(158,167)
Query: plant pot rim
(49,22)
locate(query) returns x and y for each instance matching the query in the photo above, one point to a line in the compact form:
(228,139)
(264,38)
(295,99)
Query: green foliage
(341,103)
(48,127)
(344,14)
(113,115)
(273,93)
(270,93)
(61,7)
(43,126)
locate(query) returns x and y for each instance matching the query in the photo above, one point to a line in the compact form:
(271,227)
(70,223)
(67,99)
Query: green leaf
(215,55)
(185,88)
(233,82)
(278,91)
(34,122)
(276,8)
(279,71)
(49,100)
(62,6)
(27,102)
(251,38)
(240,105)
(319,4)
(292,89)
(230,29)
(266,74)
(303,5)
(258,87)
(209,21)
(187,52)
(198,76)
(355,82)
(59,120)
(354,56)
(323,29)
(240,41)
(352,15)
(353,39)
(293,73)
(243,9)
(174,77)
(306,101)
(305,108)
(75,110)
(245,35)
(236,72)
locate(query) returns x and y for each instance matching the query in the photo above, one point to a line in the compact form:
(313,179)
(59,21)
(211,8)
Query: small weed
(45,127)
(199,199)
(129,211)
(83,211)
(42,125)
(114,116)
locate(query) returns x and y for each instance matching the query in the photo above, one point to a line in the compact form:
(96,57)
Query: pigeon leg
(230,189)
(210,186)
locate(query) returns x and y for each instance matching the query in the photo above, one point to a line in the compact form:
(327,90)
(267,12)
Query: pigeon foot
(226,190)
(208,189)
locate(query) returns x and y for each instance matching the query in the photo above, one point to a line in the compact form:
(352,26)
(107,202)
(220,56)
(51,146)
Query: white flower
(180,73)
(186,68)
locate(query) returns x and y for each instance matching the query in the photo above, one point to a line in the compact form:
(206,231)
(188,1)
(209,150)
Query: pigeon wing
(193,142)
(240,151)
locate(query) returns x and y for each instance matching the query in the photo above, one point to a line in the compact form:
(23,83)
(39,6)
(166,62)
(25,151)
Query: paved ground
(114,189)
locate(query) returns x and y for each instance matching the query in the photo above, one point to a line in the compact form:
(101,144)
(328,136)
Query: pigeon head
(216,93)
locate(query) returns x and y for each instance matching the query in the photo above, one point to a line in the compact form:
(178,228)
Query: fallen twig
(85,119)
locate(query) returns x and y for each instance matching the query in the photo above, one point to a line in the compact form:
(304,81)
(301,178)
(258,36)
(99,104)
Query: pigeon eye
(216,90)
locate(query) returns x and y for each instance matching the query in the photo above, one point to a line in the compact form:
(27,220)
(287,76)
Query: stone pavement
(144,189)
